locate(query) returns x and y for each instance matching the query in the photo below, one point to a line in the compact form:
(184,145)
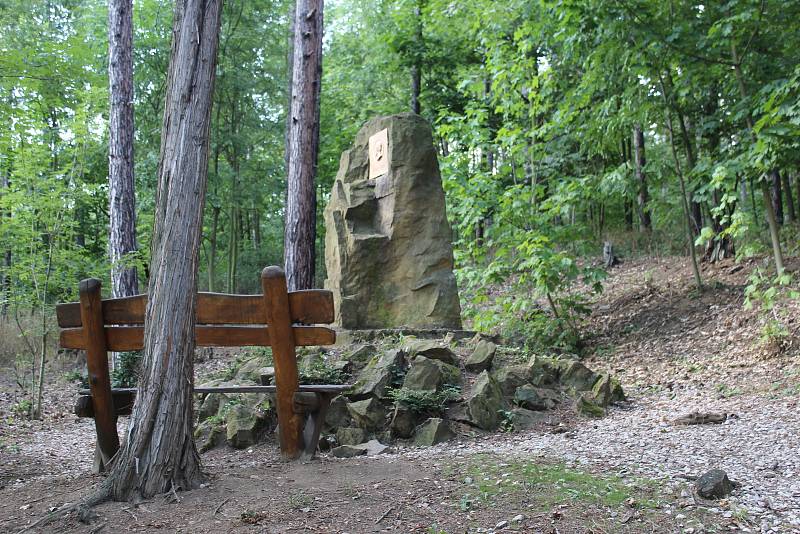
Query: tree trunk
(121,187)
(416,68)
(159,454)
(774,232)
(776,195)
(301,201)
(5,282)
(791,215)
(212,254)
(639,163)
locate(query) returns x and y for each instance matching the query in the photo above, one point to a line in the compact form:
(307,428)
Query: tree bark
(791,215)
(159,453)
(301,201)
(416,68)
(639,163)
(776,195)
(121,187)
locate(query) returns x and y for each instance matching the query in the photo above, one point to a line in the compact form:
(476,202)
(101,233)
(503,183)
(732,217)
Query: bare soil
(675,351)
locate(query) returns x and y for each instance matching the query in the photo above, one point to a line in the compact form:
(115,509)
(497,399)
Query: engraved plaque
(379,154)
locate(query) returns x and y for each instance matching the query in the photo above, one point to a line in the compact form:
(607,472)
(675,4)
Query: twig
(381,518)
(218,508)
(98,528)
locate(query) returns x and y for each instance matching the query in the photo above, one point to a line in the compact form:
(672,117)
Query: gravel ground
(758,446)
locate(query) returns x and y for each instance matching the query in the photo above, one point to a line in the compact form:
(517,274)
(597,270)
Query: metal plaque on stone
(379,154)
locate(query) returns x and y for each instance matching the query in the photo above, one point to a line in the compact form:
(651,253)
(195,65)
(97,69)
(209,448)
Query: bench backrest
(222,320)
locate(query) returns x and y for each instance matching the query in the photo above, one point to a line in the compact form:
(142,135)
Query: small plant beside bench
(277,318)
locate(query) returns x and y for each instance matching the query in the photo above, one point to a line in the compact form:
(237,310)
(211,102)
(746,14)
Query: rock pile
(417,391)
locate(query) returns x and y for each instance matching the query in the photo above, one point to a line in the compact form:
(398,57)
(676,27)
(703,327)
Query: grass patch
(488,479)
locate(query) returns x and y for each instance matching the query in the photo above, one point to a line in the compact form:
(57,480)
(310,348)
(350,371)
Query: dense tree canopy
(560,124)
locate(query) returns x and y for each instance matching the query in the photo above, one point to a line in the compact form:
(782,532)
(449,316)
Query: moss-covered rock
(577,376)
(379,374)
(351,436)
(433,431)
(428,375)
(243,425)
(368,414)
(481,358)
(484,403)
(511,377)
(432,349)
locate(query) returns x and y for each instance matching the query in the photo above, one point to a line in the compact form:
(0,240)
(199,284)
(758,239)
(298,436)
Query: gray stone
(267,374)
(714,484)
(337,415)
(481,358)
(432,431)
(351,436)
(348,451)
(428,375)
(209,407)
(376,378)
(577,376)
(388,251)
(511,377)
(606,391)
(208,435)
(543,372)
(533,398)
(431,349)
(586,405)
(251,370)
(485,402)
(403,423)
(523,419)
(368,414)
(373,447)
(243,426)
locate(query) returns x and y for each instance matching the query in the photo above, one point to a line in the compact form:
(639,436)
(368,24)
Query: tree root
(84,508)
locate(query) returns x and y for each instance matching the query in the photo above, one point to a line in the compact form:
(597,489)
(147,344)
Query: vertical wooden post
(105,419)
(276,296)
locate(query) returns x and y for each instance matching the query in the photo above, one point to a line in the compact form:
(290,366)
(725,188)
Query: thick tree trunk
(639,163)
(776,195)
(159,453)
(416,68)
(301,201)
(121,187)
(791,215)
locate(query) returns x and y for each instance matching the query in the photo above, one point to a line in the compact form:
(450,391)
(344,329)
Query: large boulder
(337,415)
(244,424)
(511,377)
(351,436)
(543,371)
(428,375)
(577,376)
(431,349)
(484,403)
(388,251)
(481,358)
(404,421)
(432,431)
(376,378)
(208,435)
(368,414)
(533,398)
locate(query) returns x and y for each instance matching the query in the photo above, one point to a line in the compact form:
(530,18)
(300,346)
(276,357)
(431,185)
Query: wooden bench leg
(314,421)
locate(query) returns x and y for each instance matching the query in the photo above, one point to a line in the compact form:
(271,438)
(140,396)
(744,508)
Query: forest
(587,148)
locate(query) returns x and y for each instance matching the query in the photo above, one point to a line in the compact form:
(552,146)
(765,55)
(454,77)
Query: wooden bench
(277,318)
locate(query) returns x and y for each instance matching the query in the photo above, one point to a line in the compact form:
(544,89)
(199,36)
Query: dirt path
(629,472)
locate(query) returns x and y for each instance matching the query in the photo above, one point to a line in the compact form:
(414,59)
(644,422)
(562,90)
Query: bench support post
(273,284)
(105,419)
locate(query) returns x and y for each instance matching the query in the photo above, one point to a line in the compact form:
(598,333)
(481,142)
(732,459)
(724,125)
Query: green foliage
(126,373)
(430,403)
(321,372)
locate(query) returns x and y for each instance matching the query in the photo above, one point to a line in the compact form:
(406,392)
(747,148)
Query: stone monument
(388,250)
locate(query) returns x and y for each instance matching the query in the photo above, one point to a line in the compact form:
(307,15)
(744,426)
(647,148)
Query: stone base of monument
(418,386)
(346,337)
